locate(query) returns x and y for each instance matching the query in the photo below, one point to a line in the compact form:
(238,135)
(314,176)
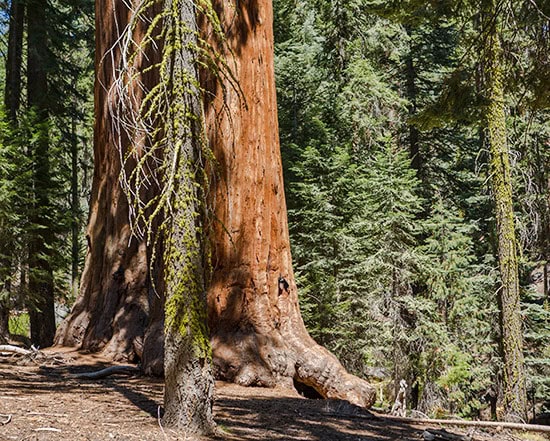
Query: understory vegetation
(390,207)
(386,159)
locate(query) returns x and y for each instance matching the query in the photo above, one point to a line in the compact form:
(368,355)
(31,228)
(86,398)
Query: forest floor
(43,401)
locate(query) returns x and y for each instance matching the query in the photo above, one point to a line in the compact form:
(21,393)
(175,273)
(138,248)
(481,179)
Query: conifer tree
(515,394)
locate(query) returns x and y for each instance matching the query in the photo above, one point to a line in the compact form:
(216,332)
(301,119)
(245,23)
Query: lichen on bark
(514,394)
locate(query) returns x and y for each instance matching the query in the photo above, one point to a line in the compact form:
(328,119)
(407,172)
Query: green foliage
(537,341)
(36,155)
(396,265)
(19,325)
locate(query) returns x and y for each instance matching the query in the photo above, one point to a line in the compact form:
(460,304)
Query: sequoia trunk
(111,311)
(258,336)
(257,332)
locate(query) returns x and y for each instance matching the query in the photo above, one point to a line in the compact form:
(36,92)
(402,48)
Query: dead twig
(46,429)
(10,349)
(7,419)
(106,372)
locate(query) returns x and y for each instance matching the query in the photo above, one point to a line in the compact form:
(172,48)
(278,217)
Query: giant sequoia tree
(258,336)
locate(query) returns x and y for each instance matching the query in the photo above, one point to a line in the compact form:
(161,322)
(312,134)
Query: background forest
(386,177)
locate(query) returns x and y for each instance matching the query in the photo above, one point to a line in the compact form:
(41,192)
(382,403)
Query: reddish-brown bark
(111,311)
(258,335)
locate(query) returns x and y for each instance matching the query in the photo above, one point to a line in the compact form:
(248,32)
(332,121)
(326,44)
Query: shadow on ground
(128,407)
(301,419)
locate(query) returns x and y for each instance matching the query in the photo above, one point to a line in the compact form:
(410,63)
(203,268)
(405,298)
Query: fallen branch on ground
(495,424)
(106,372)
(7,419)
(15,350)
(33,355)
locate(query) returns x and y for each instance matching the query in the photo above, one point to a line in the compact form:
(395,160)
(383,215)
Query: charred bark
(258,335)
(4,323)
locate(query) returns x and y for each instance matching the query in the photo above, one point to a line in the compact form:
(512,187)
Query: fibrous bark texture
(111,311)
(258,336)
(257,332)
(189,382)
(515,396)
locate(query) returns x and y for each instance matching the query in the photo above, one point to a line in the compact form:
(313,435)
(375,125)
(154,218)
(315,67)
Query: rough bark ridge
(189,383)
(258,336)
(515,396)
(111,311)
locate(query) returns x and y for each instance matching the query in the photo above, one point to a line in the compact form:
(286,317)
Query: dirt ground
(43,401)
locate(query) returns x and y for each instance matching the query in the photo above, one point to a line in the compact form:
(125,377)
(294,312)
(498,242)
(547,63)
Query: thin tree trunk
(12,102)
(258,334)
(75,210)
(515,395)
(189,382)
(41,289)
(12,95)
(4,325)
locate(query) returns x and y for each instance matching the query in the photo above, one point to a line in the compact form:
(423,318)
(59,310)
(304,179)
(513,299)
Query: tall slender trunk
(41,288)
(515,396)
(12,102)
(189,381)
(75,209)
(12,95)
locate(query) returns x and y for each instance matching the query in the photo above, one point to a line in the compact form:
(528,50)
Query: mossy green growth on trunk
(185,310)
(514,394)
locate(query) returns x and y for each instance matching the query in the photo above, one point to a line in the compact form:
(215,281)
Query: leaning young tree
(257,333)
